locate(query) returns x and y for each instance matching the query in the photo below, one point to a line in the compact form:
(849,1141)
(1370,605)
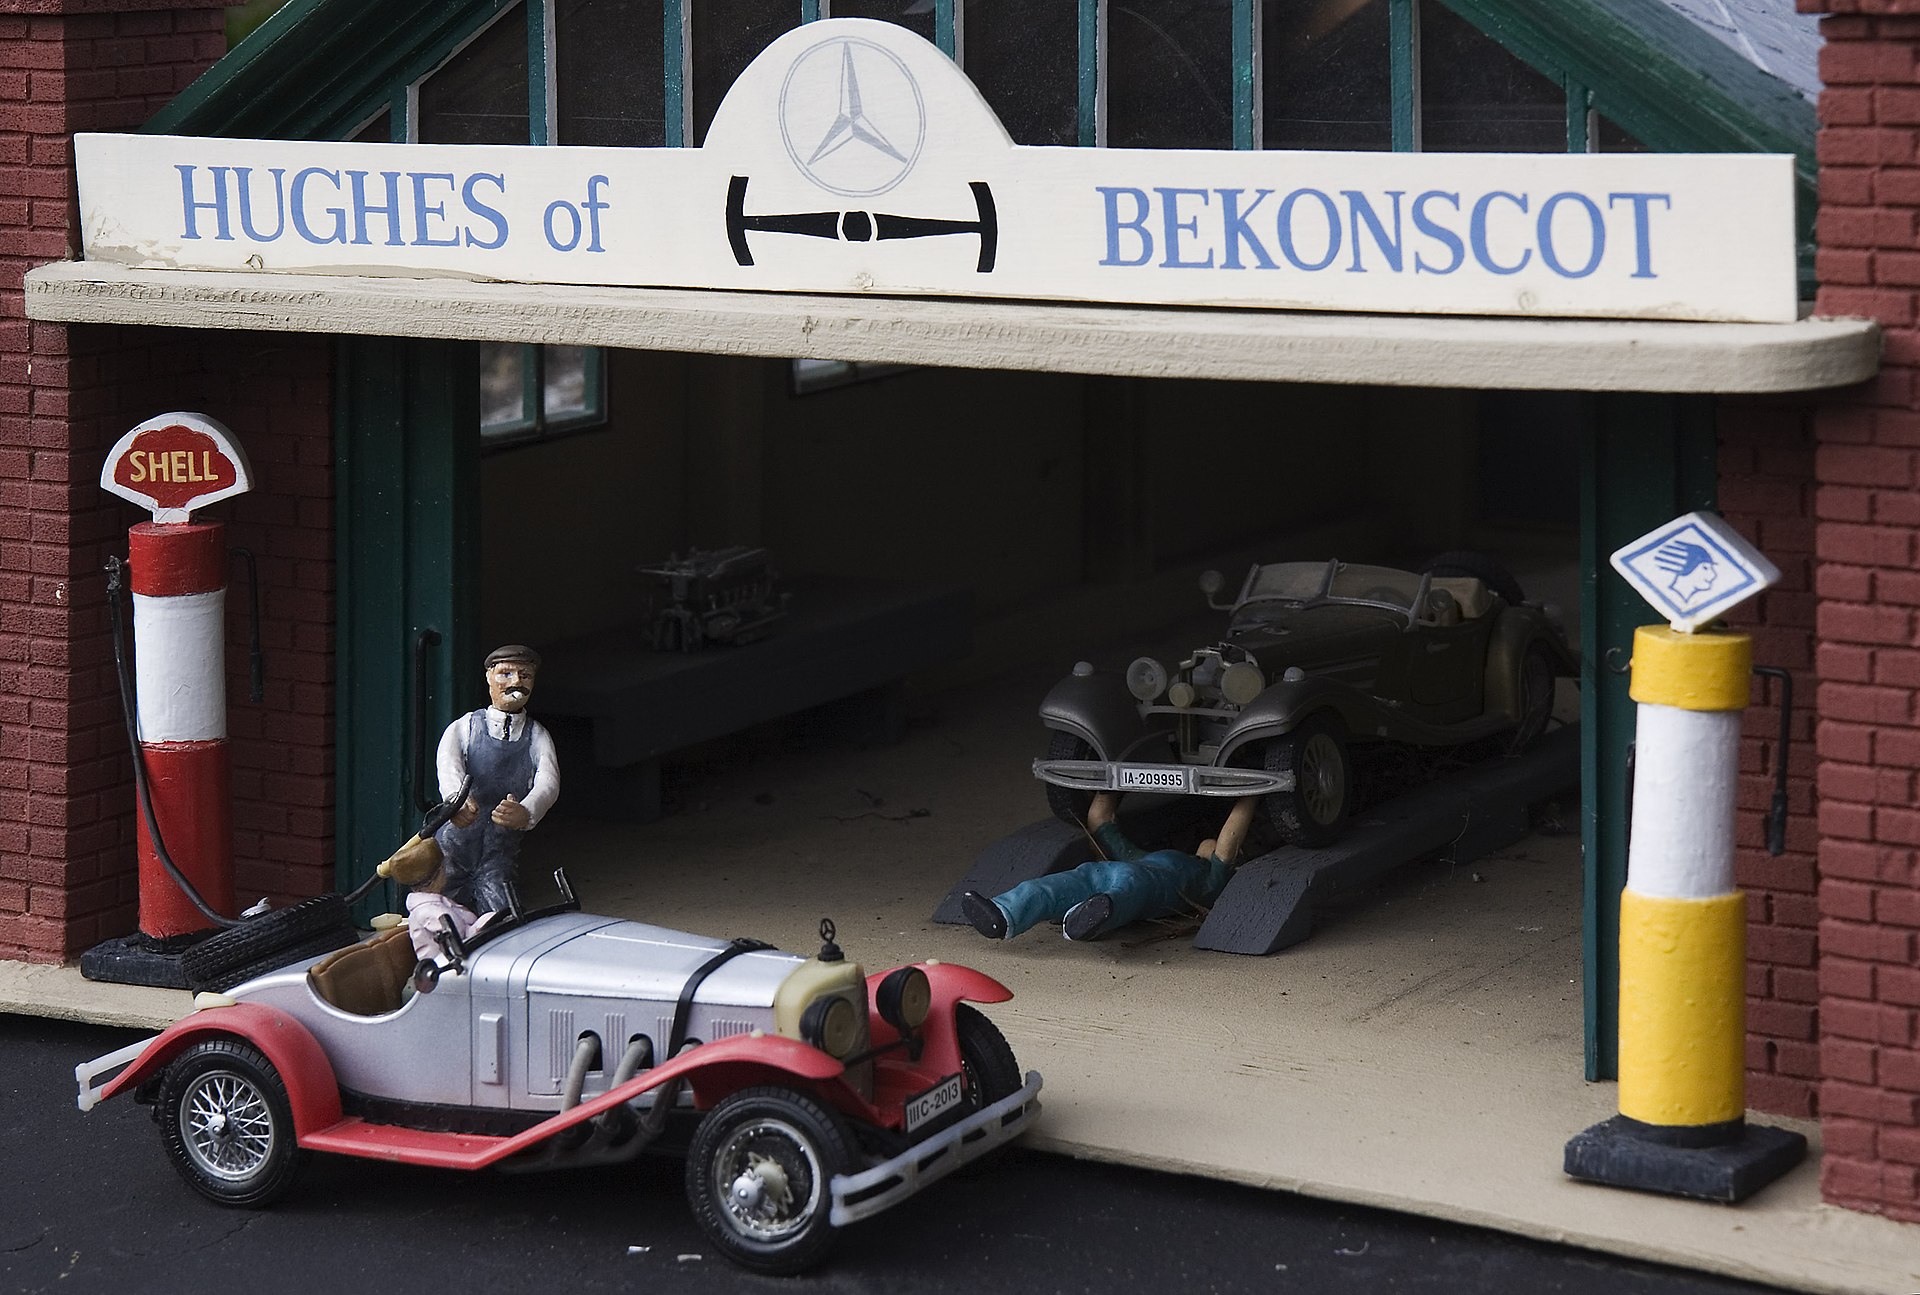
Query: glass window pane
(1025,57)
(245,18)
(480,95)
(377,131)
(610,89)
(916,15)
(564,374)
(1476,97)
(1614,137)
(1170,74)
(726,36)
(1327,74)
(503,388)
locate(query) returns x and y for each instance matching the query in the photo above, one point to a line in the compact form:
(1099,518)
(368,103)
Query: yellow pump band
(1709,670)
(1683,1008)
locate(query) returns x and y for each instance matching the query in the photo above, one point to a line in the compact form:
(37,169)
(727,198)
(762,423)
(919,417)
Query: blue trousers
(1166,881)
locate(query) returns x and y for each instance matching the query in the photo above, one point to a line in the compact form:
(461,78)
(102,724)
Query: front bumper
(862,1195)
(86,1072)
(1170,779)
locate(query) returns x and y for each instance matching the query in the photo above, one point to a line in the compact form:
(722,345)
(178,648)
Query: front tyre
(1315,810)
(228,1125)
(1534,695)
(759,1178)
(987,1066)
(1068,805)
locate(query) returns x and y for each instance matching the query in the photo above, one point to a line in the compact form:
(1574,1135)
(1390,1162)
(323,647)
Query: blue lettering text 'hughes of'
(320,205)
(1435,232)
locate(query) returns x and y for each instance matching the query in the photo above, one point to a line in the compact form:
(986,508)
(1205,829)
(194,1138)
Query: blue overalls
(481,858)
(1141,885)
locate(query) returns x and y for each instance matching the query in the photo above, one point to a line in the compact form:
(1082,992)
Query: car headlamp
(1182,694)
(831,1025)
(1146,679)
(1242,682)
(904,999)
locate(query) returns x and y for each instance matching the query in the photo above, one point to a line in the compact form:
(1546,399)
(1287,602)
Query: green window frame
(1247,88)
(539,416)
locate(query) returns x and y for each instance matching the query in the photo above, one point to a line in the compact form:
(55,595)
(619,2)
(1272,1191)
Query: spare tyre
(1489,571)
(273,939)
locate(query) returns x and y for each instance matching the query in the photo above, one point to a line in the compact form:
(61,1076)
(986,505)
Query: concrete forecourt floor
(1421,1052)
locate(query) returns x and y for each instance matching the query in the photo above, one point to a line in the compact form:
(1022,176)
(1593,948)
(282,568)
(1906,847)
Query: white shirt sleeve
(450,761)
(546,774)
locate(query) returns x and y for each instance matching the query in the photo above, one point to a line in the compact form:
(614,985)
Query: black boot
(1087,920)
(984,914)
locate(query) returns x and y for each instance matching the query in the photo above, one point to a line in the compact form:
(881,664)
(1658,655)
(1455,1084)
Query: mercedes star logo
(852,117)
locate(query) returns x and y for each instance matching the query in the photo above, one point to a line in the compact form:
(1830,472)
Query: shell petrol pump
(175,698)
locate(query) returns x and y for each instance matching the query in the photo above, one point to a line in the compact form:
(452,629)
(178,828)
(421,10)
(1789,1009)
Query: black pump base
(139,959)
(1623,1152)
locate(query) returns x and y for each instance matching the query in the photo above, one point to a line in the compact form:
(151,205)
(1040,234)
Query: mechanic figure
(1129,884)
(516,779)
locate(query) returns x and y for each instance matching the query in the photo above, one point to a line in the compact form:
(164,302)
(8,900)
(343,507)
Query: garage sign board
(853,157)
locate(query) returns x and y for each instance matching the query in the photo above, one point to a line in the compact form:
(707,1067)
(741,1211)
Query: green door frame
(406,470)
(1645,459)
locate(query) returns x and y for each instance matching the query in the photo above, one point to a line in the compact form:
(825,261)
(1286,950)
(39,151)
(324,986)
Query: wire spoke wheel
(1313,811)
(1322,788)
(228,1129)
(227,1123)
(768,1179)
(760,1177)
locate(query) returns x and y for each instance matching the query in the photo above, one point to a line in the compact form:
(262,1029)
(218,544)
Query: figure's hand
(511,813)
(1105,805)
(464,816)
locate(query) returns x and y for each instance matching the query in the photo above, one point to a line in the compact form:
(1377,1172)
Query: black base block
(1623,1152)
(139,959)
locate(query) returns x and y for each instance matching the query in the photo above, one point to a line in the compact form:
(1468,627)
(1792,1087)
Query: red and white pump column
(173,464)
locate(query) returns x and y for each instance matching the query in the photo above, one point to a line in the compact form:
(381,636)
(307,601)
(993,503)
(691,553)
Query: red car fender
(952,985)
(312,1090)
(718,1069)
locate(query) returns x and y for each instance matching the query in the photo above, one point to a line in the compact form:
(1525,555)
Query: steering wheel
(437,817)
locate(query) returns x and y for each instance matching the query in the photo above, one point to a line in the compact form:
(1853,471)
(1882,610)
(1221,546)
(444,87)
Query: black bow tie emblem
(860,226)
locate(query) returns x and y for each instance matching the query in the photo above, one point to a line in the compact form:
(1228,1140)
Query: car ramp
(1270,902)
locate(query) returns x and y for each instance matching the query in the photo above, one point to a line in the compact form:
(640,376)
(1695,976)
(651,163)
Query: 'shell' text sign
(174,464)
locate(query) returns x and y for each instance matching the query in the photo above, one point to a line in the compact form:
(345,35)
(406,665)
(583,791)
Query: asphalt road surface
(90,1203)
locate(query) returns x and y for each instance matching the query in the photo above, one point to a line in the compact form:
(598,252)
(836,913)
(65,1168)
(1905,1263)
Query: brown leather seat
(366,978)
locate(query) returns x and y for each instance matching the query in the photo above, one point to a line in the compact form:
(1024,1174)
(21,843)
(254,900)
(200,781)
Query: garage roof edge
(1251,345)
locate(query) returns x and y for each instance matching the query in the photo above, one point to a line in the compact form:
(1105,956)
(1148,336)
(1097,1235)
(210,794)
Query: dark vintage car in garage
(1319,660)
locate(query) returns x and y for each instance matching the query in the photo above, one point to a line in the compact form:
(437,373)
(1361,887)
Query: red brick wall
(1766,490)
(66,394)
(1867,538)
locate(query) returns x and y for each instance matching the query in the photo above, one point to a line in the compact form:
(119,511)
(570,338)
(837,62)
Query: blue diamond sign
(1694,569)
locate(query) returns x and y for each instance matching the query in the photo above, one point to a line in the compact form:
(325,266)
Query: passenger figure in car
(516,779)
(1126,886)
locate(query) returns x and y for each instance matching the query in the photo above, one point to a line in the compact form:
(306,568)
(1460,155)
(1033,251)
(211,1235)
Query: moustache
(516,692)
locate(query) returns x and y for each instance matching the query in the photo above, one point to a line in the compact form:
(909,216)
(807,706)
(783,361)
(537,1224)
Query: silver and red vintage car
(815,1095)
(1318,659)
